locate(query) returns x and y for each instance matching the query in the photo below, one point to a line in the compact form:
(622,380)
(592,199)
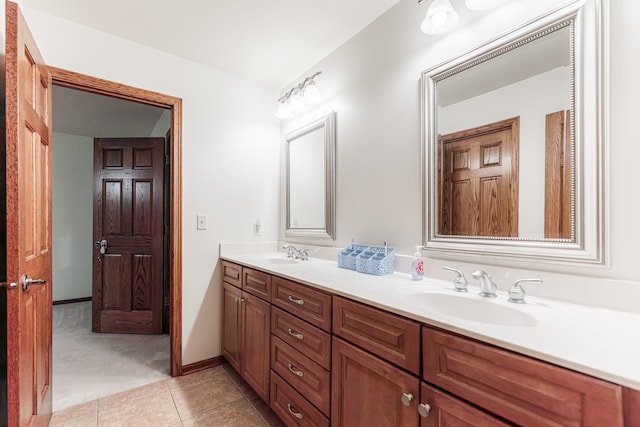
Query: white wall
(230,154)
(72,216)
(162,125)
(372,82)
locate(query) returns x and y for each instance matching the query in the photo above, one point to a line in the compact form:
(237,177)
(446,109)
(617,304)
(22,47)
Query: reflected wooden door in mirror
(479,181)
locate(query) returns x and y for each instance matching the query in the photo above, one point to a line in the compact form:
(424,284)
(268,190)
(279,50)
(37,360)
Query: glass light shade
(440,17)
(312,95)
(284,112)
(481,4)
(296,103)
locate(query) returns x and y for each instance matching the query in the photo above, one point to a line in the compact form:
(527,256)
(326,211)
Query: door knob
(26,282)
(102,245)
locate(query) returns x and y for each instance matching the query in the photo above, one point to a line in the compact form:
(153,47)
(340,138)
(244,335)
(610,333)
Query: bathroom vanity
(334,347)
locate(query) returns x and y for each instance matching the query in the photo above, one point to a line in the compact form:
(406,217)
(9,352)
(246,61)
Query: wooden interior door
(479,181)
(128,220)
(28,226)
(557,176)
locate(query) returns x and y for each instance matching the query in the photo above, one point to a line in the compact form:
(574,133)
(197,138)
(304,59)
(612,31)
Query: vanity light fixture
(298,97)
(441,17)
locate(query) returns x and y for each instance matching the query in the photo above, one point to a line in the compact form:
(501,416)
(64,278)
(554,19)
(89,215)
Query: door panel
(479,181)
(128,214)
(28,226)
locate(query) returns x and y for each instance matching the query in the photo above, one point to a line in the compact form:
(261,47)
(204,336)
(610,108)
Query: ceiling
(87,114)
(272,42)
(269,41)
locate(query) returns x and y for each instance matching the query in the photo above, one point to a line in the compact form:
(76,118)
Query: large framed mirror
(514,136)
(310,180)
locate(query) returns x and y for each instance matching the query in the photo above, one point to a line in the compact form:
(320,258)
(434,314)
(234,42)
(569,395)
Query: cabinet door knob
(295,334)
(424,409)
(298,415)
(296,300)
(406,399)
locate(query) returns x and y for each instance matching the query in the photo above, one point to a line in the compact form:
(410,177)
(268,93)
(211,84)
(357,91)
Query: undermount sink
(281,261)
(473,308)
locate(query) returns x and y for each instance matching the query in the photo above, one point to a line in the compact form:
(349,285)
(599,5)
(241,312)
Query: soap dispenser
(417,265)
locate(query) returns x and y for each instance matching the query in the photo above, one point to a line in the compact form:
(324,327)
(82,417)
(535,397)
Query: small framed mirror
(310,180)
(514,137)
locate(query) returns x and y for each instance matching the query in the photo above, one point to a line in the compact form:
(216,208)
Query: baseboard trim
(71,301)
(202,365)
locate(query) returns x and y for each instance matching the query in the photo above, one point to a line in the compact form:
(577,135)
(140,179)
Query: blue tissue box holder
(368,259)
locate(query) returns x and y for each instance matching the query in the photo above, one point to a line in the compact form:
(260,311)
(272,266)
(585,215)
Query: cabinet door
(367,391)
(231,325)
(255,343)
(447,411)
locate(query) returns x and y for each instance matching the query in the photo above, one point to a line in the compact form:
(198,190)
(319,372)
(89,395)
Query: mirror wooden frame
(327,123)
(588,245)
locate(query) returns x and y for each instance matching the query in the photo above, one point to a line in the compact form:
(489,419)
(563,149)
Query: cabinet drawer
(307,339)
(306,376)
(391,337)
(256,283)
(232,273)
(446,410)
(520,389)
(291,407)
(307,303)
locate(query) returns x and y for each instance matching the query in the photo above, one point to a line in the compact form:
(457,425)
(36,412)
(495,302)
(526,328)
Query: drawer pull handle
(295,334)
(406,399)
(295,371)
(298,415)
(296,300)
(424,409)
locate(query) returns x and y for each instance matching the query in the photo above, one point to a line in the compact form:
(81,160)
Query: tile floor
(213,397)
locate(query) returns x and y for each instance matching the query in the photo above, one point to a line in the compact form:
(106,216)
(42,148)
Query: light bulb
(284,112)
(296,102)
(312,95)
(440,17)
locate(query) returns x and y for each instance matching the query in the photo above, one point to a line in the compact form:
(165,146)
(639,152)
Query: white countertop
(599,342)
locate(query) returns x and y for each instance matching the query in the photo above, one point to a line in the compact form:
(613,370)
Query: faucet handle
(516,292)
(460,283)
(289,249)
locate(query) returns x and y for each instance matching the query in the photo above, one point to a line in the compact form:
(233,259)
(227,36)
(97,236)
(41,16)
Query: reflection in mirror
(491,115)
(310,180)
(512,145)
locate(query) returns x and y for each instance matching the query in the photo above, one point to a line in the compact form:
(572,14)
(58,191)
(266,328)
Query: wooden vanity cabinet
(368,391)
(247,326)
(445,410)
(517,388)
(321,359)
(300,354)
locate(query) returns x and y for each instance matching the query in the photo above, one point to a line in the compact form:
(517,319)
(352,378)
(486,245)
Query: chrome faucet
(295,253)
(460,283)
(487,287)
(516,292)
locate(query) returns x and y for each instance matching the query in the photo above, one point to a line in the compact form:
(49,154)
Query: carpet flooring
(88,366)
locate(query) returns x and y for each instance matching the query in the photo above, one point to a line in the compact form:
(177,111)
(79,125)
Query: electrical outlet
(257,229)
(202,222)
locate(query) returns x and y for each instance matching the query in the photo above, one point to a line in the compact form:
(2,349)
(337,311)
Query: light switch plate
(202,222)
